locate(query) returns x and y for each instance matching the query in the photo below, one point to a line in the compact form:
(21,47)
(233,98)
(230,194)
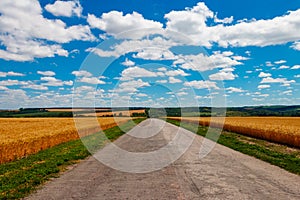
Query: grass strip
(21,177)
(280,155)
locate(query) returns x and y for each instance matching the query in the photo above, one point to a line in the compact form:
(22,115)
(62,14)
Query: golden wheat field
(23,136)
(284,130)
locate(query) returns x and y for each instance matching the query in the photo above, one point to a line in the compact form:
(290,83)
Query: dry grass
(284,130)
(23,136)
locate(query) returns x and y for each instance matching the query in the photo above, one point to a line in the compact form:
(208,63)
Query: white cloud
(191,22)
(155,54)
(296,67)
(280,62)
(296,46)
(263,74)
(65,8)
(239,58)
(162,69)
(10,82)
(161,81)
(264,32)
(91,80)
(202,84)
(181,94)
(284,67)
(10,73)
(178,72)
(46,73)
(233,89)
(224,74)
(257,99)
(141,95)
(263,86)
(130,86)
(136,72)
(115,22)
(35,87)
(128,63)
(227,20)
(3,87)
(174,80)
(52,81)
(283,81)
(263,95)
(127,46)
(25,32)
(287,92)
(269,64)
(202,62)
(297,76)
(81,73)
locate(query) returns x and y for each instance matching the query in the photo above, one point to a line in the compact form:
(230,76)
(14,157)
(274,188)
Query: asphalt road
(222,174)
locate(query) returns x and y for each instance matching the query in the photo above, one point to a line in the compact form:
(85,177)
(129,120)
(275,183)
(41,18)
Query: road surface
(222,174)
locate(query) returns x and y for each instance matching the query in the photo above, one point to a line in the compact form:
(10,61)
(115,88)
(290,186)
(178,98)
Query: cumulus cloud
(10,73)
(136,72)
(233,89)
(178,72)
(155,54)
(173,80)
(280,62)
(202,84)
(161,81)
(25,32)
(91,80)
(296,67)
(296,46)
(46,73)
(224,74)
(283,81)
(128,46)
(128,63)
(191,22)
(65,8)
(35,87)
(130,86)
(263,86)
(115,22)
(284,67)
(201,62)
(263,74)
(227,20)
(52,81)
(264,32)
(81,73)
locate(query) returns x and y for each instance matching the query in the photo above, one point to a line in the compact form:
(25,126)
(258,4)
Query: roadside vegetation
(283,156)
(20,177)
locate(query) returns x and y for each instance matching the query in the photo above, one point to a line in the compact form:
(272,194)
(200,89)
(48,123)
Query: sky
(149,53)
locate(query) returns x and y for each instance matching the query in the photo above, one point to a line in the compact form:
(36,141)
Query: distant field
(23,136)
(117,113)
(102,112)
(284,130)
(75,109)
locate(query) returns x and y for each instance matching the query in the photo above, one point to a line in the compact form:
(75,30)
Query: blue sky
(149,53)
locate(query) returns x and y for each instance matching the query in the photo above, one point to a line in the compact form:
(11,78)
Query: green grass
(19,178)
(280,155)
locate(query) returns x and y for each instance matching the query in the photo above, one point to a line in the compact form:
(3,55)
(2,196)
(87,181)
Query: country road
(222,174)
